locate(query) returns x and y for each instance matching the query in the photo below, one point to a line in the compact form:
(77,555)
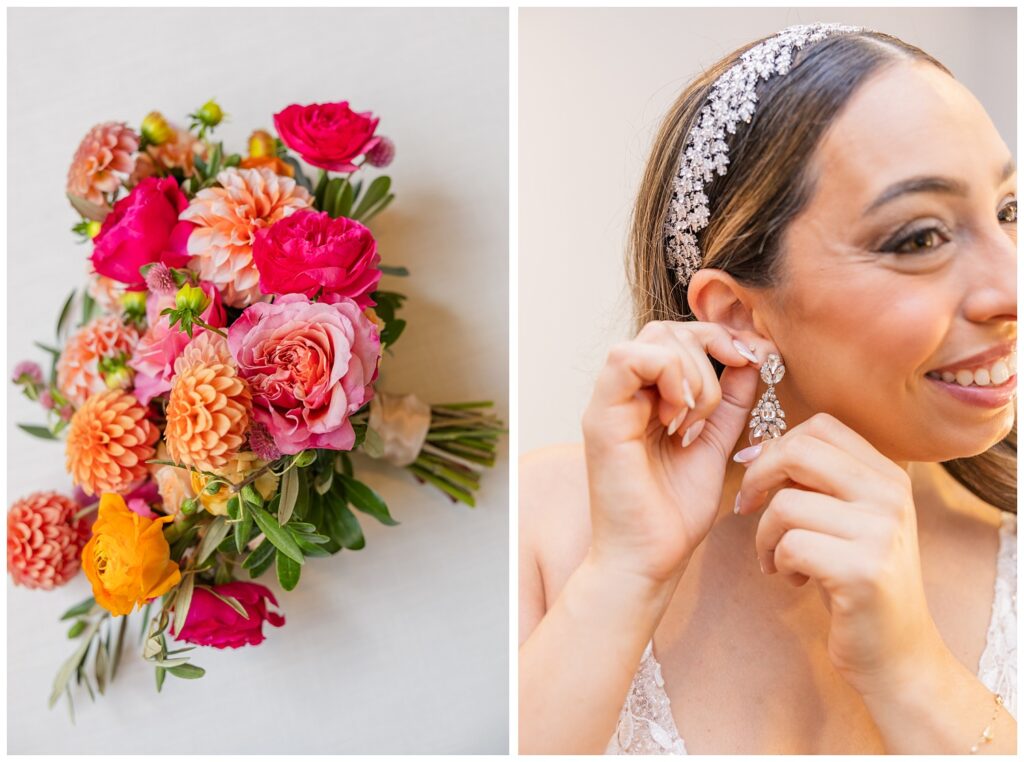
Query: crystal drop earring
(767,419)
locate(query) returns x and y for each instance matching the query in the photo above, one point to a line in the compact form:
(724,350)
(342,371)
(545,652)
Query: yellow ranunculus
(127,560)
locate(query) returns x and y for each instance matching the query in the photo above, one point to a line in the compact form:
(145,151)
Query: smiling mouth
(994,374)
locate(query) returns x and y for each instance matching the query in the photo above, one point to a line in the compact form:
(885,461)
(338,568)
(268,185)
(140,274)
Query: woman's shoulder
(554,511)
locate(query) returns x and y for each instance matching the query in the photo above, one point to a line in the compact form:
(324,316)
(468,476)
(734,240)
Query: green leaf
(378,190)
(119,647)
(282,540)
(366,500)
(65,312)
(371,213)
(187,671)
(310,549)
(343,526)
(322,482)
(391,270)
(234,508)
(215,534)
(47,348)
(343,206)
(321,190)
(37,431)
(67,670)
(182,601)
(287,571)
(302,496)
(100,665)
(289,494)
(332,194)
(243,529)
(229,600)
(88,307)
(79,609)
(257,556)
(76,629)
(161,673)
(392,330)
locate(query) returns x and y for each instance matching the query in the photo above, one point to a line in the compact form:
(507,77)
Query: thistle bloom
(227,219)
(127,560)
(78,369)
(103,157)
(209,405)
(27,371)
(44,540)
(109,441)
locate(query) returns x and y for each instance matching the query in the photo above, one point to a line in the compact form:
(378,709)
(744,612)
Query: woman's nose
(992,281)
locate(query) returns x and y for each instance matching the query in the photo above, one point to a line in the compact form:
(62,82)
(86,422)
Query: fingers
(806,460)
(793,508)
(804,553)
(630,367)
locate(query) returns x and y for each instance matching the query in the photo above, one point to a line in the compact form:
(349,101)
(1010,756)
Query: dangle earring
(767,419)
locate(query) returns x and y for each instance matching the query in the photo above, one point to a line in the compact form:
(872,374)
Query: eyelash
(899,242)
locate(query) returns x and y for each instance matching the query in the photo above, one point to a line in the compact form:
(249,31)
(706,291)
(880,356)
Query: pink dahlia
(78,373)
(102,158)
(44,540)
(309,366)
(310,252)
(227,219)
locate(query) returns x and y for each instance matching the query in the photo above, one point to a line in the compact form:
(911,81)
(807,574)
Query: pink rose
(308,251)
(143,227)
(212,622)
(160,345)
(309,366)
(328,135)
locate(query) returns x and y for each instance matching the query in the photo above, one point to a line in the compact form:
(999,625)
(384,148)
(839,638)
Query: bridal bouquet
(212,379)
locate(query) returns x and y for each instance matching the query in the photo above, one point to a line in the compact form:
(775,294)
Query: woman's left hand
(844,516)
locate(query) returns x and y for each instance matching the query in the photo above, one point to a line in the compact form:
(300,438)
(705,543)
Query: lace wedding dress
(646,725)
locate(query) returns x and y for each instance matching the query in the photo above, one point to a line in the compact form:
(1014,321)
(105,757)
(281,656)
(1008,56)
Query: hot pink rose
(328,135)
(143,227)
(309,366)
(212,622)
(160,345)
(308,251)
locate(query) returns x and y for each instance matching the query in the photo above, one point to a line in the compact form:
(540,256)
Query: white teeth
(994,375)
(948,377)
(964,377)
(981,377)
(1000,372)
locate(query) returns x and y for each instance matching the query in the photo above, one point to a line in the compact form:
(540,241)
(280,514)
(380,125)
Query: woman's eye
(1010,210)
(917,241)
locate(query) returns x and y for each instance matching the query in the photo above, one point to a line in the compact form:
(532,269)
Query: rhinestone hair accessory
(705,151)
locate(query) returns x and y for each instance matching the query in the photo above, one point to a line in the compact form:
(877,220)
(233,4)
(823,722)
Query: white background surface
(401,647)
(594,85)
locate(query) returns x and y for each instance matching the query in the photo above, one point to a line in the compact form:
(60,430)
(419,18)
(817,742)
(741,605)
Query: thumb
(732,416)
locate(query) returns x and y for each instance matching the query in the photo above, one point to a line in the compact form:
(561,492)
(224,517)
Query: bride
(791,525)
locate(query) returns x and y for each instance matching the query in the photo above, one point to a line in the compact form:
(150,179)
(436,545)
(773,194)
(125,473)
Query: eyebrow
(931,184)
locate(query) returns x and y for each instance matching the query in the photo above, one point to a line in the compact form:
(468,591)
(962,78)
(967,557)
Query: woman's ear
(714,296)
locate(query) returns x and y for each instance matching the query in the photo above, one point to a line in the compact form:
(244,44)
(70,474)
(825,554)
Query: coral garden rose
(143,227)
(328,135)
(44,540)
(309,366)
(127,560)
(103,157)
(310,251)
(159,347)
(212,622)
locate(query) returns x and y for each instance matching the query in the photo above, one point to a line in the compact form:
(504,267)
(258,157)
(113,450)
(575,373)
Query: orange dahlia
(45,540)
(209,405)
(227,219)
(105,151)
(109,441)
(78,373)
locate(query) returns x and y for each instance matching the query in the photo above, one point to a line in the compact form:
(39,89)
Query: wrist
(619,580)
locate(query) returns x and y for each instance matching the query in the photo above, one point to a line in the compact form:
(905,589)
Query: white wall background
(401,647)
(593,87)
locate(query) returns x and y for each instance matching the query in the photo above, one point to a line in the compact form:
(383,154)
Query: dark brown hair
(769,182)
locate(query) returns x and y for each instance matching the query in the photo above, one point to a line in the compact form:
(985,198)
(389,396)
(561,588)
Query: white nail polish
(677,422)
(693,432)
(736,506)
(688,395)
(744,350)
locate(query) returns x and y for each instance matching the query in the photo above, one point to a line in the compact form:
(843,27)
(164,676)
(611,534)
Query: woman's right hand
(652,500)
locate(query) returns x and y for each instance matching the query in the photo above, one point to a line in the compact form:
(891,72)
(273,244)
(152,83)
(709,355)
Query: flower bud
(210,113)
(262,145)
(191,298)
(92,228)
(119,377)
(134,303)
(27,372)
(155,129)
(381,154)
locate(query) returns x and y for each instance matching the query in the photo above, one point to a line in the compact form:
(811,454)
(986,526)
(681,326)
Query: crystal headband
(705,151)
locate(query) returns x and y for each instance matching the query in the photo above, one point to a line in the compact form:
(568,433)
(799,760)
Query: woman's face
(881,288)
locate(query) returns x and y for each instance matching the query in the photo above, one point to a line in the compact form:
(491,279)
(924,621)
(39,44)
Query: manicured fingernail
(693,432)
(688,395)
(736,507)
(676,422)
(747,454)
(744,350)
